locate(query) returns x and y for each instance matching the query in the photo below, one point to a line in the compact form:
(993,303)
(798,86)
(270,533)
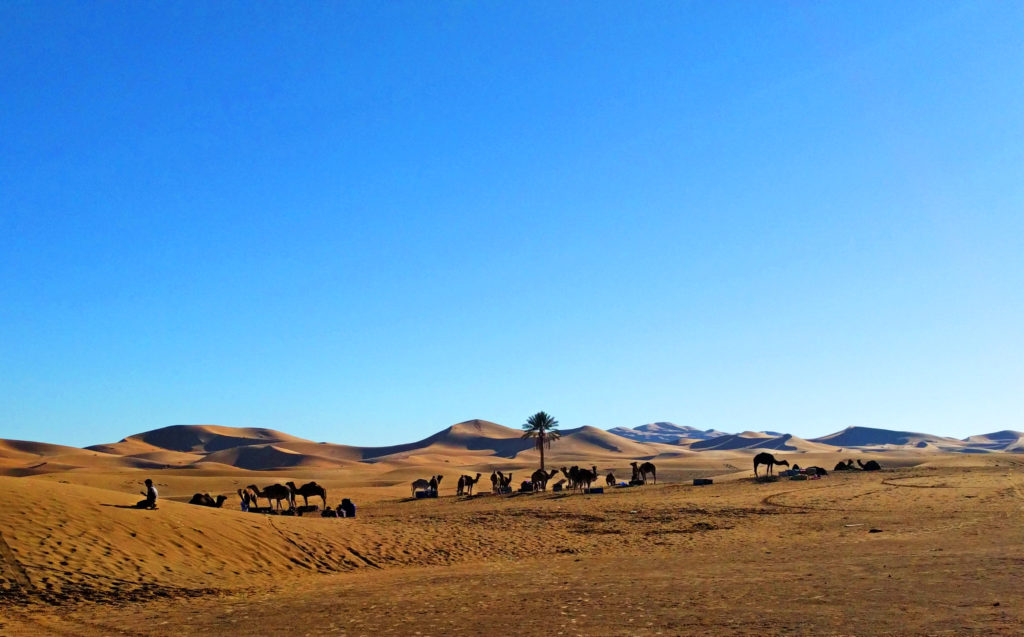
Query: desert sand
(932,544)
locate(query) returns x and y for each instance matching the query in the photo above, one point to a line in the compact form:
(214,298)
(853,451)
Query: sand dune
(262,457)
(871,437)
(665,432)
(199,439)
(758,441)
(1005,440)
(587,442)
(473,444)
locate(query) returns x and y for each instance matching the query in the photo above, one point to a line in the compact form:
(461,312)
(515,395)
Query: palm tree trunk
(542,451)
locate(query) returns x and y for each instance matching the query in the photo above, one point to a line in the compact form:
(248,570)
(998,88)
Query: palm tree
(545,429)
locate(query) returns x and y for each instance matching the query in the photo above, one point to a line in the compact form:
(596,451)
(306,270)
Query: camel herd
(771,461)
(575,479)
(273,494)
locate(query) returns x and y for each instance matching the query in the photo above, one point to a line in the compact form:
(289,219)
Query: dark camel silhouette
(585,477)
(540,478)
(275,492)
(870,465)
(570,475)
(816,471)
(845,466)
(640,471)
(307,490)
(250,493)
(609,480)
(435,483)
(466,484)
(419,485)
(768,459)
(506,481)
(204,499)
(494,481)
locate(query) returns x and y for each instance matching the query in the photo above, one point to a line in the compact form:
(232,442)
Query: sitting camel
(845,466)
(506,482)
(609,479)
(870,465)
(204,499)
(768,459)
(307,490)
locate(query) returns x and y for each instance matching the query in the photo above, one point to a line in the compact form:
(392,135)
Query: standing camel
(435,483)
(307,490)
(768,459)
(419,484)
(275,492)
(540,478)
(470,482)
(640,471)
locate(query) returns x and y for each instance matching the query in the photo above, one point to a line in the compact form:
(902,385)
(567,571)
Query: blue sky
(363,222)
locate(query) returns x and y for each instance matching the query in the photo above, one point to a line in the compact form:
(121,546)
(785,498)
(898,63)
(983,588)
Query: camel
(845,466)
(494,481)
(276,492)
(768,459)
(204,499)
(870,465)
(640,472)
(585,477)
(251,494)
(506,482)
(419,485)
(470,482)
(306,490)
(570,476)
(540,478)
(435,483)
(816,471)
(609,479)
(461,487)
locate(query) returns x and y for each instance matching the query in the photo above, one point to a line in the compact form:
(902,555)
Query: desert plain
(933,544)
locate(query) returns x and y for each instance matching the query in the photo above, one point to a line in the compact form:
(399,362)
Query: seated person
(347,507)
(151,495)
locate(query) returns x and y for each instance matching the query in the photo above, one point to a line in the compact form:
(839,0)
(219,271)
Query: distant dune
(470,443)
(758,441)
(665,432)
(197,439)
(870,437)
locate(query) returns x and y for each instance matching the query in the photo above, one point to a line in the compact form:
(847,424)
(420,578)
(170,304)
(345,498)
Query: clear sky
(362,222)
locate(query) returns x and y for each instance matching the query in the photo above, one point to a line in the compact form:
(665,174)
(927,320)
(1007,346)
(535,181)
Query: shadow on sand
(129,506)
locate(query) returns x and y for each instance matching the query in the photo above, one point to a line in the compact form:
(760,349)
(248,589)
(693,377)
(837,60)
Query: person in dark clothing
(151,495)
(348,508)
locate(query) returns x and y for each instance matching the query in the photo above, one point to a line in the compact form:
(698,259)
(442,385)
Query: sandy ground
(736,557)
